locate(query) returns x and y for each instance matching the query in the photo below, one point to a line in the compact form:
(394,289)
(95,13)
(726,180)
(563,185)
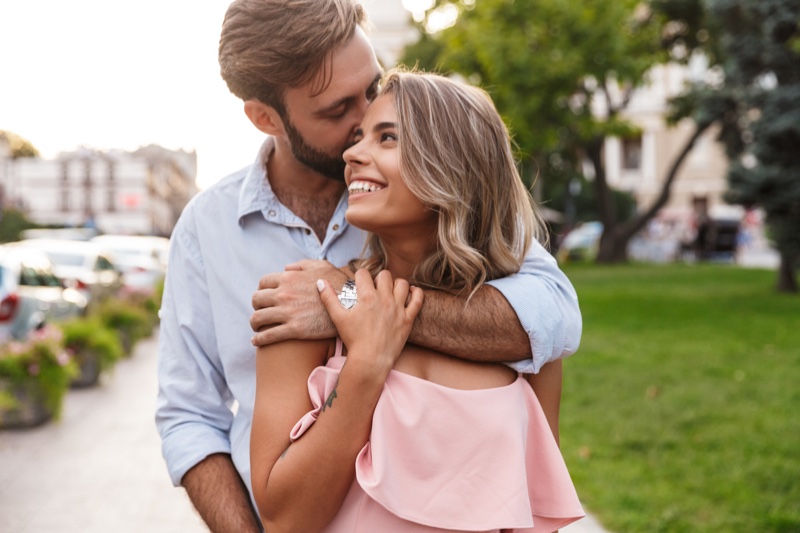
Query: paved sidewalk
(100,469)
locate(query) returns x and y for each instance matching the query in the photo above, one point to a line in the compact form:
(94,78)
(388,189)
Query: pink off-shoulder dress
(443,459)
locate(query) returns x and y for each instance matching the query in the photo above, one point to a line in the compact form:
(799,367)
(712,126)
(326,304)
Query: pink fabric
(443,459)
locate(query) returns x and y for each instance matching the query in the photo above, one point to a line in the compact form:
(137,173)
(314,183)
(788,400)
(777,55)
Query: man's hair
(456,157)
(267,46)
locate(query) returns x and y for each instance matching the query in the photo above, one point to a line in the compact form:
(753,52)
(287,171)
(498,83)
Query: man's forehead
(348,73)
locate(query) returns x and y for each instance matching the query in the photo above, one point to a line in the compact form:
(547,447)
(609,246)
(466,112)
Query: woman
(438,443)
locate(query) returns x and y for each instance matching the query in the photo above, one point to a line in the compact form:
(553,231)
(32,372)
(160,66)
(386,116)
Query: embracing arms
(531,317)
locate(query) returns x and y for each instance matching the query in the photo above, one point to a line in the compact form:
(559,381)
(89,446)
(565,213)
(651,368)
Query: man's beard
(330,167)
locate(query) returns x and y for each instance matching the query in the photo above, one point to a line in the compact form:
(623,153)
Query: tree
(760,41)
(547,64)
(18,146)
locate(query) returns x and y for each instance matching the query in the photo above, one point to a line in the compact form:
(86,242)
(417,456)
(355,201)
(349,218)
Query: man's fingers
(264,318)
(263,298)
(269,281)
(271,336)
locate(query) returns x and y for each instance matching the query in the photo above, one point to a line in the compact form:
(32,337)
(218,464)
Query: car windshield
(66,259)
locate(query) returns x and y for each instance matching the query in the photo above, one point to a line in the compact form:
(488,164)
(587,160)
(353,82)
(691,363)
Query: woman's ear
(264,117)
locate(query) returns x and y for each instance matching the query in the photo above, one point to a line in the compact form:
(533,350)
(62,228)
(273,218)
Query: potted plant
(94,348)
(34,377)
(130,321)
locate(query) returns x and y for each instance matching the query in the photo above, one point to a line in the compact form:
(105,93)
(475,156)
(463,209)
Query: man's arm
(192,414)
(547,386)
(485,329)
(220,496)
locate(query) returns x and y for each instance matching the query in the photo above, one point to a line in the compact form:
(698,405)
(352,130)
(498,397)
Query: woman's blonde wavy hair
(456,157)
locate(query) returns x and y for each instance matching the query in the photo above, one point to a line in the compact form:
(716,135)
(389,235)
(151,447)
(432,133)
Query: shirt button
(272,212)
(335,227)
(308,231)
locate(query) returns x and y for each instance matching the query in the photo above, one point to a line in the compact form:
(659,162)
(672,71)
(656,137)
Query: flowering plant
(38,368)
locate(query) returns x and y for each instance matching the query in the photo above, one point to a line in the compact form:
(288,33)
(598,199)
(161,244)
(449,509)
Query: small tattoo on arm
(329,401)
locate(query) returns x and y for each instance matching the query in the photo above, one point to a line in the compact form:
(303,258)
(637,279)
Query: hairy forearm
(220,496)
(485,329)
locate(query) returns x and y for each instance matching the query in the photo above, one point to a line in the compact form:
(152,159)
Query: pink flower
(64,358)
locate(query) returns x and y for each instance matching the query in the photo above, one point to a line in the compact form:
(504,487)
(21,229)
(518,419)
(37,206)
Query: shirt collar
(256,193)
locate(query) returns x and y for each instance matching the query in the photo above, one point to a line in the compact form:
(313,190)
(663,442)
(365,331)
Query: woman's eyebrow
(380,126)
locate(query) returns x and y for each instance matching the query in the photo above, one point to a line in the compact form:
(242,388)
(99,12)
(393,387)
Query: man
(306,73)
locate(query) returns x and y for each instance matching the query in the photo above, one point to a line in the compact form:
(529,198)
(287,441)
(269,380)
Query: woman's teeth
(364,186)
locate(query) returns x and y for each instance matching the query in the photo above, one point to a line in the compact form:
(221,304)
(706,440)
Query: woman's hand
(376,328)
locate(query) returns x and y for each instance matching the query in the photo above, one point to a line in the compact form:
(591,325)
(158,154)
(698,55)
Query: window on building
(632,153)
(65,200)
(111,204)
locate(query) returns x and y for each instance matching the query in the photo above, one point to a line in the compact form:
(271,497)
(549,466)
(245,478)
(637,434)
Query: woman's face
(380,201)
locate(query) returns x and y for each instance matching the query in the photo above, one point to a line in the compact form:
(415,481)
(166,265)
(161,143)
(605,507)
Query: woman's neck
(403,255)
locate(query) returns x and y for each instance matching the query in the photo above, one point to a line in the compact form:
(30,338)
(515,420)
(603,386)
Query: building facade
(391,29)
(141,192)
(640,165)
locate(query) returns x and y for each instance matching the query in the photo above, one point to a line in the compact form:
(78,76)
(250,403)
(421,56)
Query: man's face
(320,127)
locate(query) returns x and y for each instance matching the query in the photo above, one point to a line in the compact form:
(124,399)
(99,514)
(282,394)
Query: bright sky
(122,74)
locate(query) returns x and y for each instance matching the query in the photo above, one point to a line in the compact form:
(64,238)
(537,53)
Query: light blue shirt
(226,239)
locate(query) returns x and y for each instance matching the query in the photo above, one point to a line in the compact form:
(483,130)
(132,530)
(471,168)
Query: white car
(141,259)
(31,294)
(81,265)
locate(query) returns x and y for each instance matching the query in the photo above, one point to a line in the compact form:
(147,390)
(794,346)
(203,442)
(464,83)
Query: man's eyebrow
(345,100)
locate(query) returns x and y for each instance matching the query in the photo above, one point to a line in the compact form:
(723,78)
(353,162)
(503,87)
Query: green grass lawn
(681,410)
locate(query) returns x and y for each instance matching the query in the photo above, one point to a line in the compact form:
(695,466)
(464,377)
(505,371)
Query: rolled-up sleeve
(193,413)
(547,307)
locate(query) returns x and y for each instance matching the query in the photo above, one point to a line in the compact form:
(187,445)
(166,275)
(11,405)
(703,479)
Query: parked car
(81,265)
(31,294)
(141,259)
(581,243)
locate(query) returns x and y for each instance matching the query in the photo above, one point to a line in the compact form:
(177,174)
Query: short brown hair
(267,46)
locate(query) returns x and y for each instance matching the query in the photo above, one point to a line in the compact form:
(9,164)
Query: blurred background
(660,139)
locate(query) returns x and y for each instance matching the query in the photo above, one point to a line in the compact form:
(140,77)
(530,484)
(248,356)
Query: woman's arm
(547,386)
(301,487)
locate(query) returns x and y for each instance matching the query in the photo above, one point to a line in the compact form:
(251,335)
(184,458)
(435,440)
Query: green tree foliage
(19,147)
(762,85)
(12,223)
(547,63)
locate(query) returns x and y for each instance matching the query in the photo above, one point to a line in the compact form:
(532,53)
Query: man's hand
(287,304)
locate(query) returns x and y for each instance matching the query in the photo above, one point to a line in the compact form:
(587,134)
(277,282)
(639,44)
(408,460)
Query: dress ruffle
(454,460)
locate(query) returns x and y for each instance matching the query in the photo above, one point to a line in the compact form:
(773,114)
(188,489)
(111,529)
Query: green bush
(37,369)
(88,338)
(130,321)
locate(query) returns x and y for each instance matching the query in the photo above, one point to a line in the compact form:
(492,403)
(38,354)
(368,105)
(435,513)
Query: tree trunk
(787,280)
(614,242)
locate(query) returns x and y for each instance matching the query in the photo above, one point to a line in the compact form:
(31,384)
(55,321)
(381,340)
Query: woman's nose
(354,155)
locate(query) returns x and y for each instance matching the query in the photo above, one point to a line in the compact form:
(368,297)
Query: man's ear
(264,117)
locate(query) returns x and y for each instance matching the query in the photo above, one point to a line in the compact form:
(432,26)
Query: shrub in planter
(130,322)
(34,377)
(94,348)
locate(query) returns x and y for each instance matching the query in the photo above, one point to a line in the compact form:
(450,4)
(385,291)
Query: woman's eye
(388,137)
